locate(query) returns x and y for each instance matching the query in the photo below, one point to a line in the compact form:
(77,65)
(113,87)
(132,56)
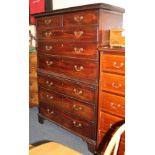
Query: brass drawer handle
(78,50)
(77,92)
(78,125)
(48,34)
(49,63)
(50,111)
(47,21)
(118,66)
(77,108)
(78,33)
(49,97)
(115,106)
(48,48)
(78,18)
(78,69)
(49,83)
(116,85)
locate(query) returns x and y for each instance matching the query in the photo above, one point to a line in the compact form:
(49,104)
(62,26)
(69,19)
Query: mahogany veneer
(69,73)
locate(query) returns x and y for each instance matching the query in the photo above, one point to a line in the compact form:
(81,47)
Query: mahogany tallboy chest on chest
(80,87)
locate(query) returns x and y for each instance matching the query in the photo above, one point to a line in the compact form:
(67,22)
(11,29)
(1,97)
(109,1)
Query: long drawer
(113,83)
(33,87)
(71,88)
(78,50)
(76,68)
(68,34)
(81,127)
(68,105)
(113,104)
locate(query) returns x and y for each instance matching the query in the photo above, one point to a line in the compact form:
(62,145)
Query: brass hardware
(78,69)
(114,106)
(48,34)
(47,21)
(75,107)
(118,66)
(49,83)
(48,48)
(77,92)
(78,33)
(49,63)
(116,85)
(78,50)
(78,125)
(78,18)
(50,112)
(49,97)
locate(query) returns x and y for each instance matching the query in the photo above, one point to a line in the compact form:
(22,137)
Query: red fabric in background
(37,6)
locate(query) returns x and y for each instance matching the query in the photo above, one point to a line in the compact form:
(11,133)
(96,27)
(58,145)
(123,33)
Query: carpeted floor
(50,131)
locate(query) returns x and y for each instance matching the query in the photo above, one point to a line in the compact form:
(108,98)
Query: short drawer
(77,126)
(50,97)
(107,120)
(51,21)
(113,83)
(33,87)
(80,18)
(113,104)
(79,50)
(113,63)
(78,109)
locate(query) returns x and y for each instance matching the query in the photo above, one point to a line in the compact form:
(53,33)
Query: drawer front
(80,127)
(80,33)
(49,34)
(33,85)
(78,109)
(80,18)
(113,104)
(52,21)
(80,69)
(50,82)
(80,91)
(49,63)
(69,34)
(79,50)
(113,83)
(33,98)
(75,89)
(50,97)
(33,72)
(65,104)
(113,63)
(107,120)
